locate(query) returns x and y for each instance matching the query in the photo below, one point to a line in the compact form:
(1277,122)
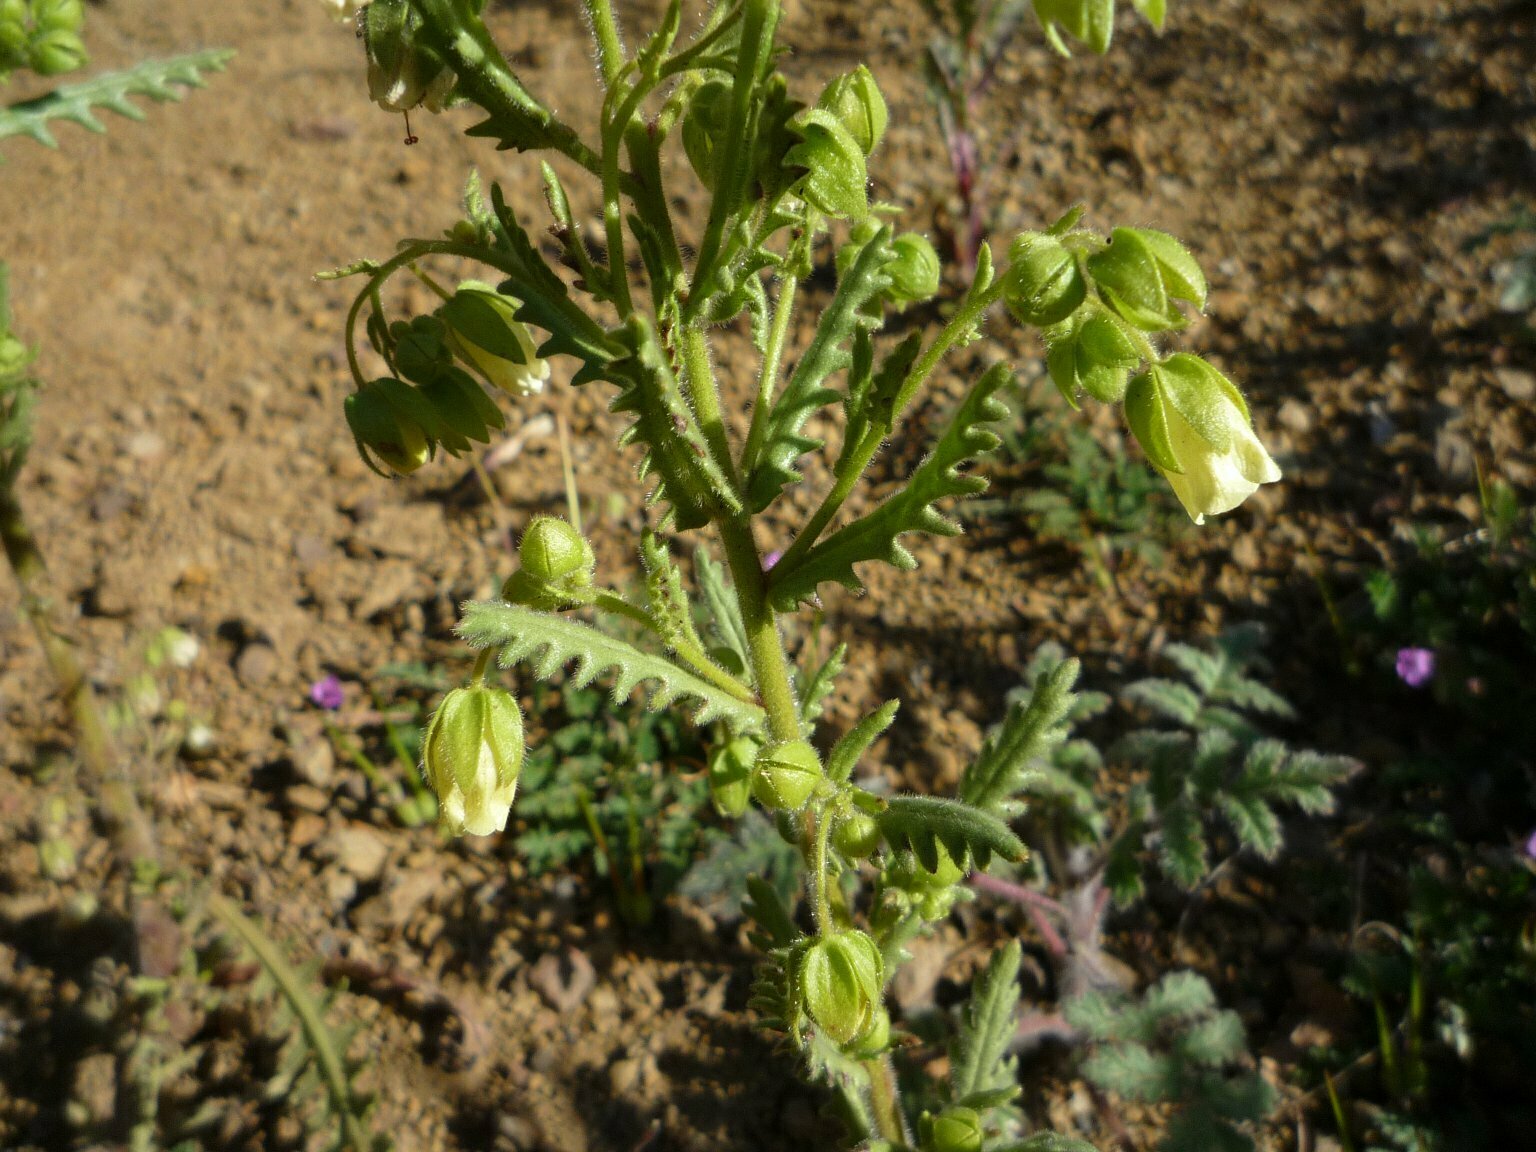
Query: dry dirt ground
(1329,164)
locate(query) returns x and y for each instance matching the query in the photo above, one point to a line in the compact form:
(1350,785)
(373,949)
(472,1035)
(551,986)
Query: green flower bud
(786,775)
(14,356)
(55,52)
(1142,272)
(930,894)
(856,835)
(841,979)
(875,1038)
(58,15)
(1195,428)
(472,755)
(704,124)
(1094,356)
(916,271)
(952,1130)
(1043,284)
(557,566)
(485,334)
(387,425)
(554,551)
(13,44)
(855,99)
(421,348)
(401,73)
(835,179)
(730,776)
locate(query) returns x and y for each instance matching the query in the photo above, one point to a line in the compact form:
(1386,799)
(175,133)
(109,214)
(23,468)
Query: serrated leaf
(547,643)
(1031,729)
(162,80)
(1178,702)
(720,599)
(830,351)
(820,684)
(1182,851)
(921,823)
(874,536)
(978,1055)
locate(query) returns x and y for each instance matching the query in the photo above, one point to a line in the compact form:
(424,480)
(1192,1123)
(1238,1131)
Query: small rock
(1520,385)
(145,445)
(306,829)
(359,851)
(308,798)
(340,888)
(256,664)
(1245,553)
(93,1102)
(516,1134)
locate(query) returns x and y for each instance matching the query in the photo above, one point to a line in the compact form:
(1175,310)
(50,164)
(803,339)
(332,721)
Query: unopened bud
(855,99)
(386,425)
(842,977)
(856,835)
(786,775)
(704,126)
(730,776)
(54,53)
(1093,355)
(1043,283)
(557,566)
(952,1130)
(401,72)
(916,271)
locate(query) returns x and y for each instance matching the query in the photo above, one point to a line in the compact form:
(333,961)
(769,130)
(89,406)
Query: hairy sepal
(874,536)
(547,643)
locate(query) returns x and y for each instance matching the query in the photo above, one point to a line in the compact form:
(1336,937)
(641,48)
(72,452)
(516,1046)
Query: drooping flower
(485,333)
(1415,666)
(472,755)
(1195,428)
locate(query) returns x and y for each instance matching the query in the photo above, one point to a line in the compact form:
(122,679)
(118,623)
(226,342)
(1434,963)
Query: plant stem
(765,646)
(819,873)
(885,1100)
(706,401)
(127,828)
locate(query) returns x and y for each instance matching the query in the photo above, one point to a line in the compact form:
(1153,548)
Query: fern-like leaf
(1033,728)
(978,1056)
(548,642)
(922,823)
(845,754)
(829,352)
(161,80)
(874,536)
(724,612)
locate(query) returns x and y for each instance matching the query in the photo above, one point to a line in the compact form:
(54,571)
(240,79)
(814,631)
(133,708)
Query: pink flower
(328,693)
(1415,666)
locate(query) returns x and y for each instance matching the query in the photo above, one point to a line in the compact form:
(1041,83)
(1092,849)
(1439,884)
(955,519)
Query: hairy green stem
(765,647)
(768,378)
(706,400)
(819,872)
(885,1101)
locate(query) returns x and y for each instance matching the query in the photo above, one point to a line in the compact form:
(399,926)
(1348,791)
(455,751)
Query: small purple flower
(771,559)
(1415,666)
(1530,846)
(328,693)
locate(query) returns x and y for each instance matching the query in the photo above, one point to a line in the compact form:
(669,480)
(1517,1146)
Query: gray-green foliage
(1176,1046)
(162,80)
(1204,761)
